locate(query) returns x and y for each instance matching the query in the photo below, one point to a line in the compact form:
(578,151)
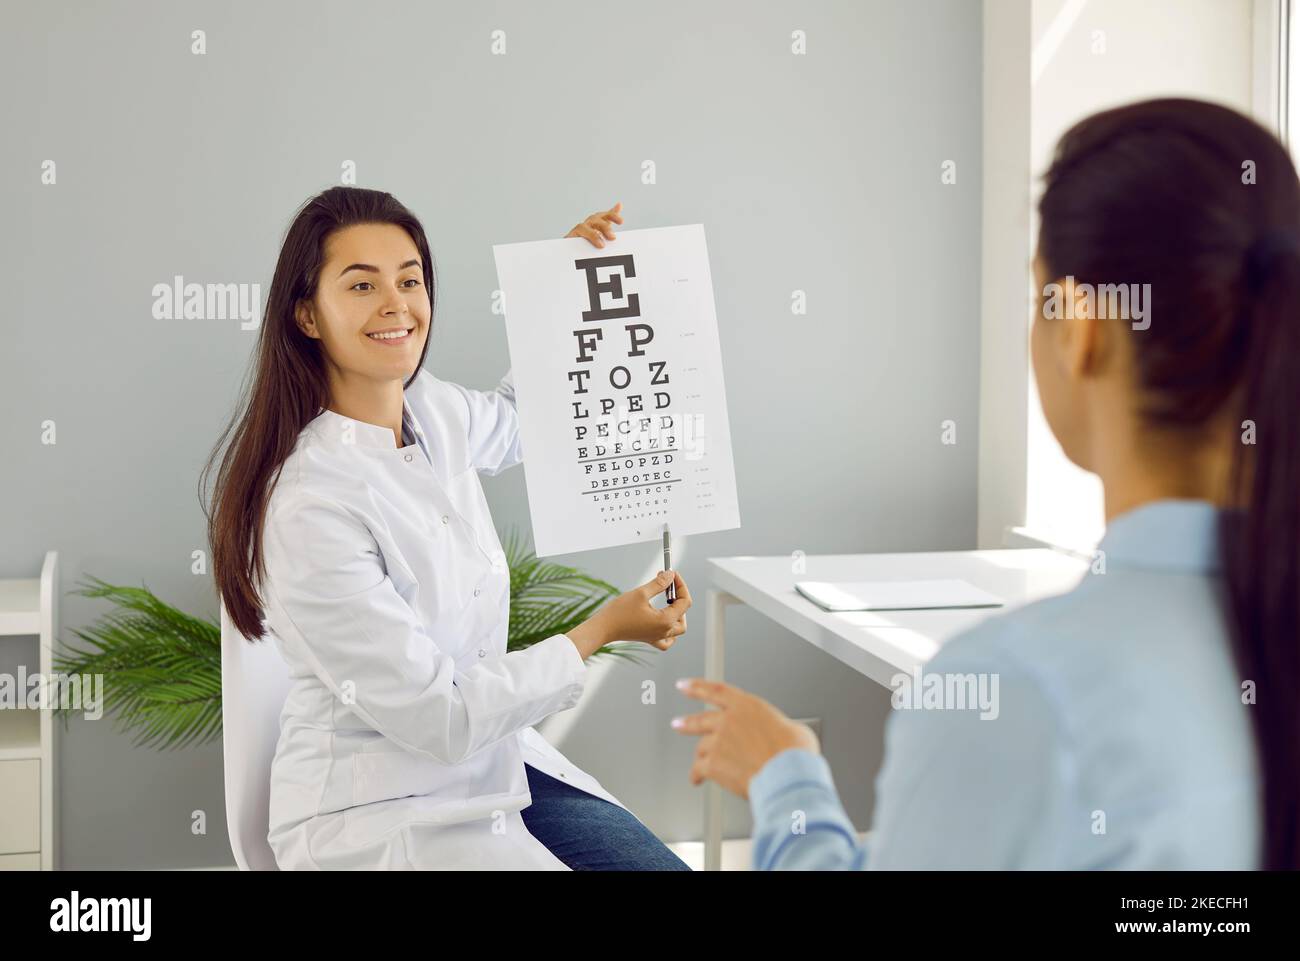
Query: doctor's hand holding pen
(631,617)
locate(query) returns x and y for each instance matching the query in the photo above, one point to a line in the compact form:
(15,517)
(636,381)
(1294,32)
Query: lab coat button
(408,457)
(444,518)
(476,592)
(482,653)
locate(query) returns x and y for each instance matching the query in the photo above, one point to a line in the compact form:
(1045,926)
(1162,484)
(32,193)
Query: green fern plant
(162,666)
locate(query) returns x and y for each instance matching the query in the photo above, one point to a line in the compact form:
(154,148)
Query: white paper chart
(618,377)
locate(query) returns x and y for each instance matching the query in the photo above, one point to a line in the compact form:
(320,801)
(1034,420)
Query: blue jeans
(588,833)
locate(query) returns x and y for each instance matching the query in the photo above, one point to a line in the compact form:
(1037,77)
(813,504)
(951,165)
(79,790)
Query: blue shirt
(1121,737)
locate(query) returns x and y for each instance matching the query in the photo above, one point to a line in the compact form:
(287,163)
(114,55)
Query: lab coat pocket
(393,771)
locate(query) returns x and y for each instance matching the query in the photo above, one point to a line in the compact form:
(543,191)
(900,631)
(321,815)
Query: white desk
(879,644)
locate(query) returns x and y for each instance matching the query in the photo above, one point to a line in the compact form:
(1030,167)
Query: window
(1084,57)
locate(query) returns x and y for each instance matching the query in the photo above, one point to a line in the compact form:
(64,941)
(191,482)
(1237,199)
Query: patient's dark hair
(289,388)
(1204,204)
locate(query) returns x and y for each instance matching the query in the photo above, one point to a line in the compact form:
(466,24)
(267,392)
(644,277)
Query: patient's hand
(739,738)
(631,617)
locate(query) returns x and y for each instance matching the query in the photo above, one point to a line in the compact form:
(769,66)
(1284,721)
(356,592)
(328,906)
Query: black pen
(668,565)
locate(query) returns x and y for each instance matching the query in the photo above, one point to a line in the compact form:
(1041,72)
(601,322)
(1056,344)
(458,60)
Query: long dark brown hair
(289,388)
(1204,204)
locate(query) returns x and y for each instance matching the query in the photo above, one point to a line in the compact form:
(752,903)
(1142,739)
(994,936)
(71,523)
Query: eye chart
(618,377)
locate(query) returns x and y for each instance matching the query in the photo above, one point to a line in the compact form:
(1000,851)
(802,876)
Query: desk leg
(714,648)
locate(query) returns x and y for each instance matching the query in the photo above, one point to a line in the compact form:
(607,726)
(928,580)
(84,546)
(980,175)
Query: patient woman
(348,513)
(1149,718)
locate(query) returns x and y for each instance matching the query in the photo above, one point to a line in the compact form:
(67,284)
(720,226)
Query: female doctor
(349,496)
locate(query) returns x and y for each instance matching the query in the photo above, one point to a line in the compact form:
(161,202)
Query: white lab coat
(407,725)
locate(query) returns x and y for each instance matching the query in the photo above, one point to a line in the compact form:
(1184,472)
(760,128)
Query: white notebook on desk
(895,595)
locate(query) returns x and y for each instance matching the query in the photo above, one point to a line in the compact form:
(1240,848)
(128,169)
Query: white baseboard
(737,855)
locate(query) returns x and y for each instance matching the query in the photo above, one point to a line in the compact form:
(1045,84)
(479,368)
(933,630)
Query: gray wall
(816,172)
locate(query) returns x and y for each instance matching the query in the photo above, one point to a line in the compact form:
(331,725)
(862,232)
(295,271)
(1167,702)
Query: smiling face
(371,309)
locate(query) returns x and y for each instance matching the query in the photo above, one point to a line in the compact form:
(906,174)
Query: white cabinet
(27,781)
(20,807)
